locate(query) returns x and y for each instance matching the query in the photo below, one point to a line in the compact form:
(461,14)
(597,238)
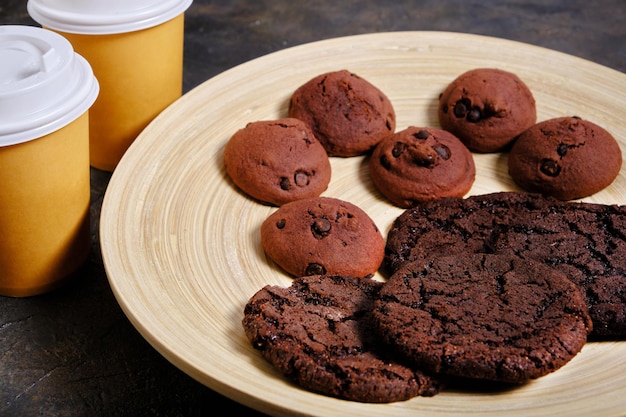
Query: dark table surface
(74,353)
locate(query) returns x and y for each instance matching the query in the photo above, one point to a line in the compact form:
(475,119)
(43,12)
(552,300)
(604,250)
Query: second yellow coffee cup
(135,48)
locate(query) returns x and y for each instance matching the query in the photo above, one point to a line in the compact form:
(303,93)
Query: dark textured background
(74,353)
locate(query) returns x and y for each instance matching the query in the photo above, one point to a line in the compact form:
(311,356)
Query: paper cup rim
(118,21)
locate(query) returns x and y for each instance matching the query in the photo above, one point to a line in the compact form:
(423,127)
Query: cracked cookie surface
(585,241)
(317,332)
(495,317)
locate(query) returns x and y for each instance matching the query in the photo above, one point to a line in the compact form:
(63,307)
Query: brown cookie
(565,157)
(495,317)
(347,113)
(421,164)
(323,236)
(585,241)
(486,108)
(277,161)
(317,332)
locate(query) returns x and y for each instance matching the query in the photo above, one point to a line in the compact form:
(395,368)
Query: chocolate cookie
(323,236)
(277,161)
(421,164)
(585,241)
(565,157)
(348,114)
(487,108)
(495,317)
(317,332)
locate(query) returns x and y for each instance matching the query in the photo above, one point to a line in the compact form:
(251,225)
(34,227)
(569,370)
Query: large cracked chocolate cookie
(317,332)
(585,241)
(495,317)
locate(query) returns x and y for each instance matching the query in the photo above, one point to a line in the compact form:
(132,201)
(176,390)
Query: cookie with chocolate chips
(347,113)
(277,161)
(486,108)
(565,157)
(323,235)
(484,316)
(317,332)
(421,164)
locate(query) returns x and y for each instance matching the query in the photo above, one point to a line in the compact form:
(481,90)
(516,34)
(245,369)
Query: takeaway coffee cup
(46,90)
(135,48)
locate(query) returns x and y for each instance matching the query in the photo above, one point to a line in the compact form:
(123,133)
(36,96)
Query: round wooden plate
(181,244)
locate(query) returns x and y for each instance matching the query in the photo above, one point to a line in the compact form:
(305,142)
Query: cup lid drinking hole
(44,84)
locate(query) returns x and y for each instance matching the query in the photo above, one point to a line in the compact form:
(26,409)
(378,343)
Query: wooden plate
(181,244)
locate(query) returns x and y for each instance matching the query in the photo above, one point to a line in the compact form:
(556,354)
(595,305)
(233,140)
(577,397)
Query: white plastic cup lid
(103,17)
(44,84)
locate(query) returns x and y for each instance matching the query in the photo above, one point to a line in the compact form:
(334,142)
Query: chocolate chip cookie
(323,235)
(277,161)
(565,157)
(421,164)
(347,113)
(317,332)
(487,108)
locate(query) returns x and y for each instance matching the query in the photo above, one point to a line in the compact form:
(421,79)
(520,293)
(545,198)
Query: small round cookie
(348,114)
(483,316)
(317,332)
(566,158)
(277,161)
(421,164)
(323,235)
(486,108)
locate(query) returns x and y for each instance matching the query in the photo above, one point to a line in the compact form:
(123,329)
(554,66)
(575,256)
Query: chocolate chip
(422,134)
(284,183)
(315,269)
(474,115)
(385,162)
(398,149)
(301,178)
(321,228)
(550,168)
(461,107)
(281,223)
(562,149)
(442,150)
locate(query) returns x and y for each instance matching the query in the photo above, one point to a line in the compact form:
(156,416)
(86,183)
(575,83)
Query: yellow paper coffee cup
(46,90)
(135,48)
